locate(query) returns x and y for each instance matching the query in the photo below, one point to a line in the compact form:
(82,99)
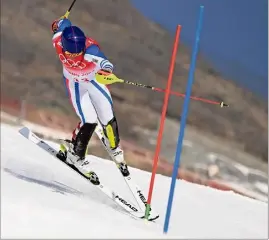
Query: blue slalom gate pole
(183,120)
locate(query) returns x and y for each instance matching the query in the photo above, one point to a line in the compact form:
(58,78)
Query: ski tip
(25,131)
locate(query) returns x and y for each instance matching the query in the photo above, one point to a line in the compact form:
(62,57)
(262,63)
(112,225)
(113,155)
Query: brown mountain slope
(140,51)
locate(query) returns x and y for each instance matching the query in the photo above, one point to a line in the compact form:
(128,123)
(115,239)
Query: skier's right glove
(60,24)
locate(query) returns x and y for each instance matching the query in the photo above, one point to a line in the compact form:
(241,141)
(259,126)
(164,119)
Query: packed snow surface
(43,198)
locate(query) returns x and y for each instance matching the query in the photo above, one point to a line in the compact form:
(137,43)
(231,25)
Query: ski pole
(222,104)
(68,11)
(109,78)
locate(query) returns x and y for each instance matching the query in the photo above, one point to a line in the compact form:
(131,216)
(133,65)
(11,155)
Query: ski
(128,207)
(133,187)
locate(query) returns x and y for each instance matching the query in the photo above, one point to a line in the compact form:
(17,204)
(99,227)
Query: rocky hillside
(141,52)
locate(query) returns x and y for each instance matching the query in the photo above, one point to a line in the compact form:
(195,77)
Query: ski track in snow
(43,198)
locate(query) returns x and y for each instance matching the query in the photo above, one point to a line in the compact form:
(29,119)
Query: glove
(55,25)
(105,77)
(60,24)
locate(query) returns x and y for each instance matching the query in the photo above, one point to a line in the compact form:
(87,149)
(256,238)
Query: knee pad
(112,133)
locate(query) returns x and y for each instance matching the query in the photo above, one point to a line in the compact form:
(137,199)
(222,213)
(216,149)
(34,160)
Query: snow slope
(42,198)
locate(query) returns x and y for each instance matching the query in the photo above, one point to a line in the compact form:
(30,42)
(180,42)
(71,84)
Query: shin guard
(82,139)
(112,133)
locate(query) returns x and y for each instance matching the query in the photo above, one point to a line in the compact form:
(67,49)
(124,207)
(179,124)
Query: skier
(82,58)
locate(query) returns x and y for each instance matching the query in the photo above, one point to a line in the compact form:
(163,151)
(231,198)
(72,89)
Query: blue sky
(234,36)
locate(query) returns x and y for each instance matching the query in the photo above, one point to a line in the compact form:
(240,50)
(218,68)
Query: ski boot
(119,160)
(74,152)
(67,154)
